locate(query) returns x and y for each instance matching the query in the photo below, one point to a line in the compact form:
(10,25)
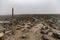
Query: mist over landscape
(30,6)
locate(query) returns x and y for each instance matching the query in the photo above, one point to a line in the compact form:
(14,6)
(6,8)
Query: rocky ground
(32,28)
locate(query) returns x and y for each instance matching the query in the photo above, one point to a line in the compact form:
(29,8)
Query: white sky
(29,6)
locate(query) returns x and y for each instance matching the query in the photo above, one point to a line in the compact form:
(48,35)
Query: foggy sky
(29,6)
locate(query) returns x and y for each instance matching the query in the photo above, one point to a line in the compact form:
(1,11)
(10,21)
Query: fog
(29,7)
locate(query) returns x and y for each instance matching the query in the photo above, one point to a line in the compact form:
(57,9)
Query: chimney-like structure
(13,28)
(12,12)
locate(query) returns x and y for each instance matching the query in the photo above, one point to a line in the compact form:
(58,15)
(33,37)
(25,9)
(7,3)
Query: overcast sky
(29,6)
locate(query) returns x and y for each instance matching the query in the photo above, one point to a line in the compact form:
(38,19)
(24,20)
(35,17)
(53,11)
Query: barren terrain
(31,27)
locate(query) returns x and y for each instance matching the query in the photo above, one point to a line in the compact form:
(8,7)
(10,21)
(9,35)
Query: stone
(56,33)
(23,37)
(1,34)
(45,37)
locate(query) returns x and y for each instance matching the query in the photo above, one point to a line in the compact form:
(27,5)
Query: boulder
(56,33)
(45,37)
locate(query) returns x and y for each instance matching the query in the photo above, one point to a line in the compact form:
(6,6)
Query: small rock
(23,37)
